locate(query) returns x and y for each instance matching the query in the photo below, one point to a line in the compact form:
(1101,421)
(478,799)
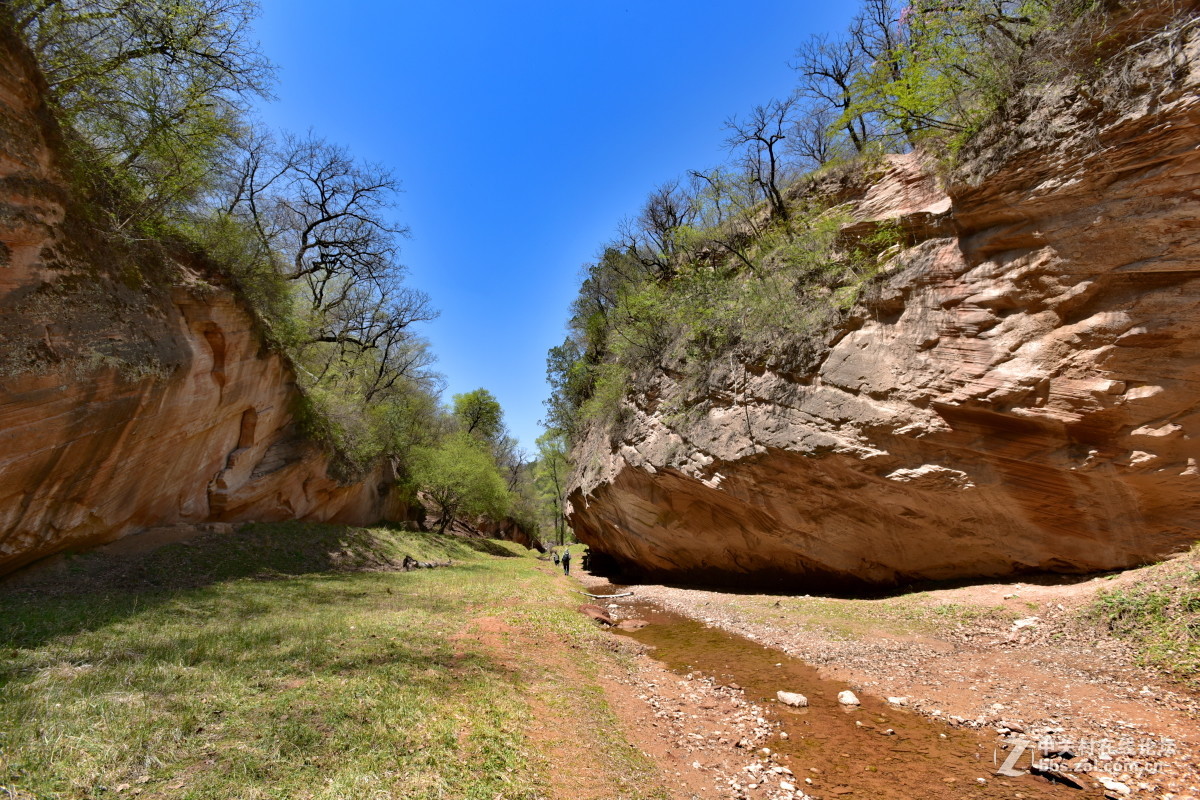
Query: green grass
(1160,615)
(287,661)
(911,614)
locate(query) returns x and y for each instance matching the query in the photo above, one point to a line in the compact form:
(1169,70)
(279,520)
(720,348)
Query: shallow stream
(844,751)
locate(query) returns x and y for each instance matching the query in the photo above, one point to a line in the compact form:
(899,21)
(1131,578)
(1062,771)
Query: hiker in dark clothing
(555,553)
(566,562)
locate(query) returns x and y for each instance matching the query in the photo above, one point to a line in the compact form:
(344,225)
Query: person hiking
(566,562)
(555,554)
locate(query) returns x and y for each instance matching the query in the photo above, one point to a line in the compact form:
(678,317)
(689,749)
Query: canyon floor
(312,661)
(1014,661)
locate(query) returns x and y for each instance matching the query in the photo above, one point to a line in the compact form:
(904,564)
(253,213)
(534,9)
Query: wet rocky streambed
(828,749)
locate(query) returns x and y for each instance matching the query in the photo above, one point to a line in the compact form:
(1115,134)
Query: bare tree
(759,136)
(828,68)
(876,32)
(512,460)
(653,238)
(320,220)
(814,140)
(367,338)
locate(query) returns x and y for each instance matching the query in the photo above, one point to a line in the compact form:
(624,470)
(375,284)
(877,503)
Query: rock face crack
(1022,392)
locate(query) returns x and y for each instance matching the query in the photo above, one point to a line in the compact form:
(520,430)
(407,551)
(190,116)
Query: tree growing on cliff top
(828,68)
(758,139)
(156,89)
(153,97)
(321,224)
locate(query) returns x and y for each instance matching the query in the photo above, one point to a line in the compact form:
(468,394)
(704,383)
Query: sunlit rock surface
(1022,393)
(127,402)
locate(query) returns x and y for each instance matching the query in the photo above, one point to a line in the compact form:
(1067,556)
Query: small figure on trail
(555,554)
(566,562)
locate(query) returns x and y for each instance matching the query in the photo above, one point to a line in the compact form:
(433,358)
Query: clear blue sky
(523,132)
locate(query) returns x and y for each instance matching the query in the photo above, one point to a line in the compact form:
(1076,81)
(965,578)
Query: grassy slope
(289,661)
(1161,614)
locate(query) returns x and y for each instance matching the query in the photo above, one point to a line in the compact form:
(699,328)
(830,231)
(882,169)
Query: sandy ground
(1120,730)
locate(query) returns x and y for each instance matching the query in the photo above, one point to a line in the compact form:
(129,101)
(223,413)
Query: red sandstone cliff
(1022,392)
(130,399)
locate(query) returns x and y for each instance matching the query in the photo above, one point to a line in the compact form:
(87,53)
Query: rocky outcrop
(1020,390)
(509,530)
(132,392)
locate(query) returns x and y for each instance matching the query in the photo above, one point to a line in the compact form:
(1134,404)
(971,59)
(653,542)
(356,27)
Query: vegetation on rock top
(750,265)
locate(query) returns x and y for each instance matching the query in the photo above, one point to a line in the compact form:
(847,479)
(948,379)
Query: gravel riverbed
(1046,677)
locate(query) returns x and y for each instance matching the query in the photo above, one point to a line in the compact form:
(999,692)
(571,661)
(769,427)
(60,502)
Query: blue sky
(522,133)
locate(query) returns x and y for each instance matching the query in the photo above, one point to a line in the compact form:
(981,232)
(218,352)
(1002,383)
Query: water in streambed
(845,751)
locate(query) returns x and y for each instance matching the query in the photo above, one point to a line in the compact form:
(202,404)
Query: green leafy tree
(550,478)
(570,382)
(460,476)
(938,65)
(154,99)
(155,88)
(478,413)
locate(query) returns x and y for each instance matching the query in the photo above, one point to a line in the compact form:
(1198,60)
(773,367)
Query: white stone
(1141,457)
(1113,785)
(932,476)
(792,699)
(847,698)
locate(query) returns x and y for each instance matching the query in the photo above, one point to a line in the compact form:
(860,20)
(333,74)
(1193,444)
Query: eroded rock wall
(1020,392)
(128,400)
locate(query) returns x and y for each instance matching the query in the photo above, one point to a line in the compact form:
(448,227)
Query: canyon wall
(133,391)
(1019,390)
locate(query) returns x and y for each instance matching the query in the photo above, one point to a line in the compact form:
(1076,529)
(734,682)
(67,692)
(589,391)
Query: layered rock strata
(127,399)
(1019,391)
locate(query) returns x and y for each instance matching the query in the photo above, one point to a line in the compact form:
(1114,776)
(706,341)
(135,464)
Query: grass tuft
(1161,616)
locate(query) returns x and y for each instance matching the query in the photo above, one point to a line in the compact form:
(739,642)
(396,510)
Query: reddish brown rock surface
(127,400)
(1021,393)
(509,530)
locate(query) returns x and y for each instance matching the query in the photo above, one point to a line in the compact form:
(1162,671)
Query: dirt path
(1048,679)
